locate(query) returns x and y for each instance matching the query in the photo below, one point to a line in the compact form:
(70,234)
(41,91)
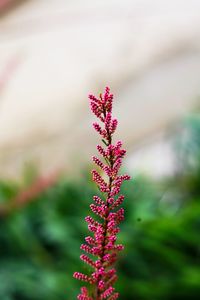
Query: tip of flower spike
(92,97)
(107,90)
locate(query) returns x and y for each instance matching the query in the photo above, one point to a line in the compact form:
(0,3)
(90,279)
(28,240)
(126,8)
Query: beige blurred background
(54,52)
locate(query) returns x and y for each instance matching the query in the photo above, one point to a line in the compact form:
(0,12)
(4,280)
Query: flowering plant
(103,242)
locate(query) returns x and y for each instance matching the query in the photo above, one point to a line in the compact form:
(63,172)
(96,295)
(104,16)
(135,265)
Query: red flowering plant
(102,244)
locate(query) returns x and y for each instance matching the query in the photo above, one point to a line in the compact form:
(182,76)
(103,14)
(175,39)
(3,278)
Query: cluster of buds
(102,244)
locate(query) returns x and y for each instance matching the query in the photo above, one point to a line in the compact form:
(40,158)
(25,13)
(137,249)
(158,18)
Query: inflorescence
(102,243)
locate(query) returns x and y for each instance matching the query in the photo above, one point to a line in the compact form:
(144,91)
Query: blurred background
(52,55)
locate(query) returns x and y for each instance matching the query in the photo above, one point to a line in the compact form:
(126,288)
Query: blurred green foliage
(40,241)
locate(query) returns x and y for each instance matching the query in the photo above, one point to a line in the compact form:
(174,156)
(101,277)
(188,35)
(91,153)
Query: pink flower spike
(87,260)
(118,202)
(104,227)
(107,292)
(101,151)
(108,120)
(97,161)
(113,126)
(98,200)
(83,277)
